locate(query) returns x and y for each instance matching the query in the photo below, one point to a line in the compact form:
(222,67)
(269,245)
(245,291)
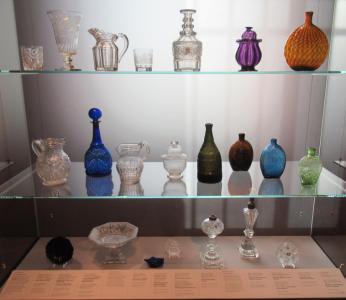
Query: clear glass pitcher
(106,53)
(53,164)
(130,163)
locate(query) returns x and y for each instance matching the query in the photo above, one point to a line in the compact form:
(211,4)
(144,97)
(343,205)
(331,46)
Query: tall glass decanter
(209,164)
(187,50)
(97,159)
(247,248)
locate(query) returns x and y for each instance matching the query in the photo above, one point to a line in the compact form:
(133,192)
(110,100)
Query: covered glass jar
(174,161)
(249,53)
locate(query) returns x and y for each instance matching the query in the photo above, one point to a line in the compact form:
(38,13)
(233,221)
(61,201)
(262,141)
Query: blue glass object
(99,186)
(97,160)
(155,262)
(273,160)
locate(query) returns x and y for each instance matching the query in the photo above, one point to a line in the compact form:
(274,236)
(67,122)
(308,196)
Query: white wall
(160,108)
(333,144)
(13,123)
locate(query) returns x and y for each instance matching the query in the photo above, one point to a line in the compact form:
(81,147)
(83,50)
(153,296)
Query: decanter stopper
(212,227)
(247,248)
(95,114)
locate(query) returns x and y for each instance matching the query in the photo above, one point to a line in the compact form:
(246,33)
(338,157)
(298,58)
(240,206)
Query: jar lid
(174,151)
(249,35)
(174,148)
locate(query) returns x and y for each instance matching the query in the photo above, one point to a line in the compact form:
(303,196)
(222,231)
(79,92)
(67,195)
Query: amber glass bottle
(209,165)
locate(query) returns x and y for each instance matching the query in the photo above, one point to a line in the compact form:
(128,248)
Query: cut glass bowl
(114,234)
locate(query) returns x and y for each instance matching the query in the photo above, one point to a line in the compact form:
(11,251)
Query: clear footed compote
(247,248)
(113,236)
(211,258)
(66,25)
(287,254)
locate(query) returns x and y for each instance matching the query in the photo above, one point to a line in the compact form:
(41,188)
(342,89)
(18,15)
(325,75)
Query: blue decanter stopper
(97,160)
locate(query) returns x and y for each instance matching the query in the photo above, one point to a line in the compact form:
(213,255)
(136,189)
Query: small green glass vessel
(209,164)
(310,168)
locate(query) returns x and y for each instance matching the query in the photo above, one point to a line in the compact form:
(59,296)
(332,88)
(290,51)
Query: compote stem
(68,66)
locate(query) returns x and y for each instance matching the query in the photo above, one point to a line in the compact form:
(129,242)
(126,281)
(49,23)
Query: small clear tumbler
(143,59)
(32,58)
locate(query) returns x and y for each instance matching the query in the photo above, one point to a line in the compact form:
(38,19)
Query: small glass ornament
(173,249)
(174,161)
(287,254)
(155,262)
(212,227)
(247,248)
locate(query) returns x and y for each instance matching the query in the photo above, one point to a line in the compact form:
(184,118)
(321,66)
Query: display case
(300,109)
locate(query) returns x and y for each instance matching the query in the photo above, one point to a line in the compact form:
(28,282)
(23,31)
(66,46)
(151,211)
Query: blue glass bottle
(273,160)
(97,160)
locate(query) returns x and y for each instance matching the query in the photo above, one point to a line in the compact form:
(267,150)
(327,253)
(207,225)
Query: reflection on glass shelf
(155,184)
(169,72)
(340,163)
(5,164)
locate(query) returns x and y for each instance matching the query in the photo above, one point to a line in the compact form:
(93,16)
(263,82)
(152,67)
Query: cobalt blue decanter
(273,160)
(97,160)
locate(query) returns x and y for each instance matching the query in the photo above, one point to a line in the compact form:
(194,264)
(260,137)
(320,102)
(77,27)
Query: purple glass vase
(249,53)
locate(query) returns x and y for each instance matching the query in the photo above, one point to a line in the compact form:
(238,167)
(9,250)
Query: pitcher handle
(126,45)
(118,149)
(37,146)
(145,146)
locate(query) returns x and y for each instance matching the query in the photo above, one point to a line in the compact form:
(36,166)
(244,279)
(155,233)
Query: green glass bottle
(310,168)
(209,164)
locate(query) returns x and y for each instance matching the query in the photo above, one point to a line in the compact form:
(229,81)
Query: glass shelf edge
(163,72)
(76,198)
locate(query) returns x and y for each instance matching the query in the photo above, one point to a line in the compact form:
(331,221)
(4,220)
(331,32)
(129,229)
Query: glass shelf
(155,184)
(92,72)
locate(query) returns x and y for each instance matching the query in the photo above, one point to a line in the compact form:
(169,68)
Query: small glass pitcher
(130,163)
(53,164)
(106,57)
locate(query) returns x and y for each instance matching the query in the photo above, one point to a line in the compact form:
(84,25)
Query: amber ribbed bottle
(209,164)
(307,46)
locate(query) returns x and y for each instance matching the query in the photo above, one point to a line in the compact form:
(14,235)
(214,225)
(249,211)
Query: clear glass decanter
(187,50)
(212,227)
(247,248)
